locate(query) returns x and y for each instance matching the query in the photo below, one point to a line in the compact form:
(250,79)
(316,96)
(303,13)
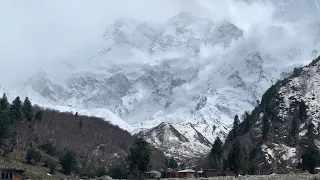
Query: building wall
(17,176)
(12,175)
(186,175)
(210,173)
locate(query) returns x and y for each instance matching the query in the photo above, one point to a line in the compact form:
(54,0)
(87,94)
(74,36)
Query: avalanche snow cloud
(176,70)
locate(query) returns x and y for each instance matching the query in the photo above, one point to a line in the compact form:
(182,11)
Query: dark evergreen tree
(4,103)
(69,162)
(235,157)
(215,156)
(139,157)
(311,155)
(236,121)
(294,130)
(16,113)
(310,134)
(309,159)
(38,115)
(33,156)
(302,114)
(182,166)
(118,172)
(248,122)
(27,110)
(253,161)
(172,163)
(318,129)
(265,127)
(5,127)
(101,171)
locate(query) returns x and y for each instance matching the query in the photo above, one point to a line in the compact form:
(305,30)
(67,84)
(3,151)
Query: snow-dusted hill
(292,102)
(185,140)
(181,82)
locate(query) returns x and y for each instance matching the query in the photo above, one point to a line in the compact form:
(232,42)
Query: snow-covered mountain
(180,82)
(185,140)
(292,102)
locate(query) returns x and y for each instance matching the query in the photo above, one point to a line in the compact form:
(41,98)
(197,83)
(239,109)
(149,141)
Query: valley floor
(266,177)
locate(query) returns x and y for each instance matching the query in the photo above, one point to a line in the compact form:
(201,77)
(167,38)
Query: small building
(210,173)
(169,174)
(11,174)
(153,175)
(187,173)
(230,173)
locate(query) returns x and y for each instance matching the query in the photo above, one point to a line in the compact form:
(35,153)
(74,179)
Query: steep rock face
(279,106)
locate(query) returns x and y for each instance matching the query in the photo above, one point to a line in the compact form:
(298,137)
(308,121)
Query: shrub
(50,163)
(118,172)
(69,162)
(49,148)
(33,156)
(101,171)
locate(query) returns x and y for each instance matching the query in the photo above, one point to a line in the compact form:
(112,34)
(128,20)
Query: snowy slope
(190,72)
(281,104)
(185,140)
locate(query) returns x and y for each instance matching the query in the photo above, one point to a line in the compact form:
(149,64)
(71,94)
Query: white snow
(276,152)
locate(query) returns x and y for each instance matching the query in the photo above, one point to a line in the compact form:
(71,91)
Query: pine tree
(69,162)
(235,156)
(215,156)
(248,121)
(294,129)
(38,115)
(318,129)
(311,155)
(236,121)
(4,103)
(139,157)
(310,159)
(310,134)
(5,127)
(16,113)
(253,161)
(302,114)
(27,110)
(265,128)
(118,171)
(172,163)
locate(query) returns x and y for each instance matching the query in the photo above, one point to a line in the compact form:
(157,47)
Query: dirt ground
(268,177)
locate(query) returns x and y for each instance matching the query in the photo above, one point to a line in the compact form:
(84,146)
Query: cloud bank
(34,32)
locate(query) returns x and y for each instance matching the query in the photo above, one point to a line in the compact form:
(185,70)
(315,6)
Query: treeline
(10,115)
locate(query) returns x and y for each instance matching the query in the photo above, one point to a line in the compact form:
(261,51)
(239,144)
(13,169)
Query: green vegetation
(69,162)
(139,157)
(33,156)
(215,156)
(172,163)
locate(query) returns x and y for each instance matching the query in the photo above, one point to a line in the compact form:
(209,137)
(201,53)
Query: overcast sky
(33,32)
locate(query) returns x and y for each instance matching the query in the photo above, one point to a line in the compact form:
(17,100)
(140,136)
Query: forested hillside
(38,136)
(281,134)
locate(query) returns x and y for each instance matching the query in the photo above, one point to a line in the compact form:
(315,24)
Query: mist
(36,32)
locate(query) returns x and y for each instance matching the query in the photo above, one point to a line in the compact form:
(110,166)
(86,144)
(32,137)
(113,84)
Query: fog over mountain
(36,32)
(175,69)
